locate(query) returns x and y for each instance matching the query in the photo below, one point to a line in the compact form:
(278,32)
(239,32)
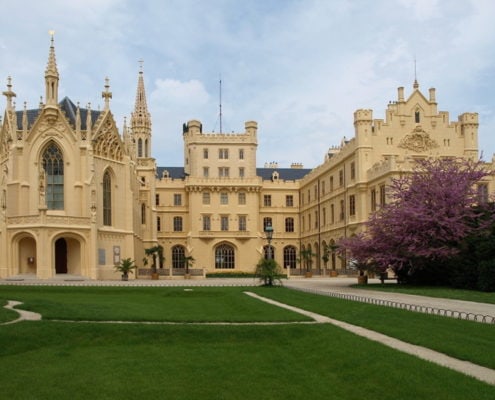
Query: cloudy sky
(298,67)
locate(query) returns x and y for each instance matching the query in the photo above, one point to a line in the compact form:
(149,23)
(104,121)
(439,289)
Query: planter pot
(362,279)
(333,273)
(154,276)
(125,277)
(308,274)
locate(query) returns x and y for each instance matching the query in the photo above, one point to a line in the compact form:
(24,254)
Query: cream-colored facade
(77,196)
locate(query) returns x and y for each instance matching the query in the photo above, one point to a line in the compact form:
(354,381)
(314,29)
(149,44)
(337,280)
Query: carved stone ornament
(418,140)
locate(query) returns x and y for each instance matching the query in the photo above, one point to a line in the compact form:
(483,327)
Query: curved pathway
(23,314)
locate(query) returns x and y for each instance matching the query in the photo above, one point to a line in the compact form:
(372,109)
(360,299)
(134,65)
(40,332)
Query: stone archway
(27,262)
(67,255)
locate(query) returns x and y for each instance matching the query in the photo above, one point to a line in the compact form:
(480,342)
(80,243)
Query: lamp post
(269,237)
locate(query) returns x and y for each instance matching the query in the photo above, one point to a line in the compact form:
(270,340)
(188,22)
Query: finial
(107,95)
(416,84)
(141,62)
(52,34)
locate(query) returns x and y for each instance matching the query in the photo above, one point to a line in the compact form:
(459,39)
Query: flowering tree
(430,213)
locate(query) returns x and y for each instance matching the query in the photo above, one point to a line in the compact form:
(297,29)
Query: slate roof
(288,174)
(67,107)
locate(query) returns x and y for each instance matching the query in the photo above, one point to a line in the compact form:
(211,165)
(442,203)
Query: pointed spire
(24,119)
(88,122)
(141,119)
(415,84)
(51,75)
(78,121)
(107,94)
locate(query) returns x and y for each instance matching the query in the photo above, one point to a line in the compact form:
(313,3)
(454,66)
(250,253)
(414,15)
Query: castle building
(77,196)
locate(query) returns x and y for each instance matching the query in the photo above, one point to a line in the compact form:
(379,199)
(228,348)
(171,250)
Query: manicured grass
(145,304)
(6,315)
(433,291)
(57,360)
(461,339)
(53,360)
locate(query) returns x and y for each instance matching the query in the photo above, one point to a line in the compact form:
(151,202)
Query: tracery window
(53,164)
(107,199)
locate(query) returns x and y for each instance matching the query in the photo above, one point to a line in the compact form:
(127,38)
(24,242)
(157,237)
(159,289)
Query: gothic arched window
(224,257)
(290,257)
(178,256)
(53,164)
(107,199)
(140,147)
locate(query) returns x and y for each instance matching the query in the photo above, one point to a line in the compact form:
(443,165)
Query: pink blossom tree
(430,212)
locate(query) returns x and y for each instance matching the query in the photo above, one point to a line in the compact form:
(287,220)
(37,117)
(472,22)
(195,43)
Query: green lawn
(57,360)
(433,291)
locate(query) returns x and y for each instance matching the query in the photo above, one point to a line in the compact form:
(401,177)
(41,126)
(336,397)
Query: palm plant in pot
(188,263)
(126,266)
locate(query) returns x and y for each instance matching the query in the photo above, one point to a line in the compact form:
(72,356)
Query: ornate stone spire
(9,94)
(141,119)
(51,76)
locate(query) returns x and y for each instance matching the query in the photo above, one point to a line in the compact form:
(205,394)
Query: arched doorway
(61,256)
(27,255)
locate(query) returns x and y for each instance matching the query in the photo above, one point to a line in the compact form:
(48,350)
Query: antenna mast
(220,104)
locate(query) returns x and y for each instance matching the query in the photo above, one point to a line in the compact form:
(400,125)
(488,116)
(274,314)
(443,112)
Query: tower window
(53,164)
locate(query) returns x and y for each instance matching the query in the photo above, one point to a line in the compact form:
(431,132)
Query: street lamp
(269,237)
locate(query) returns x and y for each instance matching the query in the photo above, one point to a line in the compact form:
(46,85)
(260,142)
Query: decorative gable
(106,140)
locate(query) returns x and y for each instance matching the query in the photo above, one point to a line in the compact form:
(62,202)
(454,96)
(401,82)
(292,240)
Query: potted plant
(306,258)
(155,252)
(125,267)
(188,262)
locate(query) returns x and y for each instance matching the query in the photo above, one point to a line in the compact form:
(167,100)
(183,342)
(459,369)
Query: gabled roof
(68,108)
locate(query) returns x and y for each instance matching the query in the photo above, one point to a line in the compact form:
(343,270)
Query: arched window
(224,257)
(417,117)
(140,147)
(269,252)
(289,257)
(53,164)
(178,255)
(146,148)
(107,199)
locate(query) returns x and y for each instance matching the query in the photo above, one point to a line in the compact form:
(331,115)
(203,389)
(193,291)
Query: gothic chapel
(68,184)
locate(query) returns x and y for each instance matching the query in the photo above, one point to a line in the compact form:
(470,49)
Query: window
(322,187)
(352,204)
(302,223)
(289,224)
(269,252)
(140,147)
(324,215)
(53,164)
(224,198)
(241,154)
(331,183)
(205,154)
(482,193)
(267,221)
(177,224)
(178,256)
(316,219)
(341,177)
(206,222)
(416,117)
(223,172)
(224,257)
(332,214)
(177,199)
(316,192)
(158,224)
(206,172)
(157,199)
(107,199)
(290,258)
(267,200)
(241,198)
(353,170)
(223,154)
(309,222)
(242,223)
(143,213)
(206,197)
(373,199)
(289,200)
(342,207)
(224,223)
(382,195)
(309,196)
(241,172)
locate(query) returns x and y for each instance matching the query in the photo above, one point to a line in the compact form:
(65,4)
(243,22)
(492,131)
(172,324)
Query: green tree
(268,272)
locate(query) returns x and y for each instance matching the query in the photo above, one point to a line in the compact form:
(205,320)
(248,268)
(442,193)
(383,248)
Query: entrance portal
(61,256)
